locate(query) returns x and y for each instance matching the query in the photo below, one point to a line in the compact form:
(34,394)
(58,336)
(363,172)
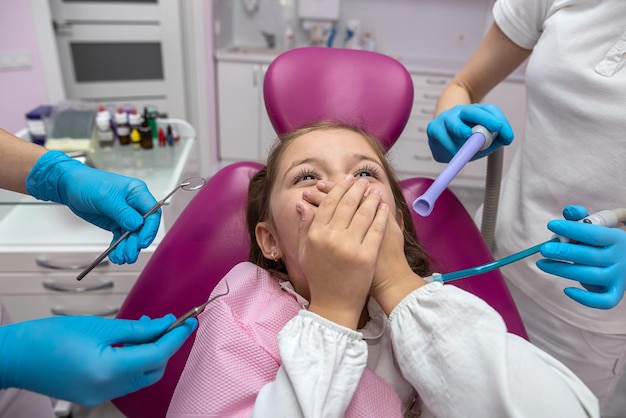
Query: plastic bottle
(134,119)
(145,131)
(104,132)
(369,42)
(151,114)
(123,127)
(289,39)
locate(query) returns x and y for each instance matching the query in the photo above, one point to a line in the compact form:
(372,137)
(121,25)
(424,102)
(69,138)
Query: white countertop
(414,63)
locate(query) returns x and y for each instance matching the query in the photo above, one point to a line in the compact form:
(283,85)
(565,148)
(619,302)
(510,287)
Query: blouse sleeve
(457,353)
(228,373)
(322,365)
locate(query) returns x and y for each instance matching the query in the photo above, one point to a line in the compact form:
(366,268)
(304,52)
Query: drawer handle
(436,82)
(76,288)
(51,264)
(422,158)
(106,311)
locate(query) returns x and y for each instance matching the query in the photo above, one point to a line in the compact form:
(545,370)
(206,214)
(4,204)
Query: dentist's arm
(457,110)
(111,201)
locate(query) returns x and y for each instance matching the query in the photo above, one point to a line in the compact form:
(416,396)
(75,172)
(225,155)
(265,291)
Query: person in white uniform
(72,358)
(572,153)
(332,317)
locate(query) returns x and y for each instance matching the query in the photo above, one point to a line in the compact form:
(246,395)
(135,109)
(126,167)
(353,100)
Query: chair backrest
(209,237)
(361,88)
(204,243)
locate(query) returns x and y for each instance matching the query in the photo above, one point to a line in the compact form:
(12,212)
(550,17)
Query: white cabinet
(245,132)
(411,155)
(44,246)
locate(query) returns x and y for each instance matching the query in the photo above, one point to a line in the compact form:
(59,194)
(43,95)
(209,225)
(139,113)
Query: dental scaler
(480,139)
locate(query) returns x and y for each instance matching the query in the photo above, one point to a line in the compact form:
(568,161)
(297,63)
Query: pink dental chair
(301,86)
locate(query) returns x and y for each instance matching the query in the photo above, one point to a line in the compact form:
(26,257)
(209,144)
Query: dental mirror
(190,184)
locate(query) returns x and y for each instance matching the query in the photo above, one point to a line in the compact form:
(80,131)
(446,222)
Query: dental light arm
(480,139)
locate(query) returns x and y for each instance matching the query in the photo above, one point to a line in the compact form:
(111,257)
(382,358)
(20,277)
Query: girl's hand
(338,249)
(393,277)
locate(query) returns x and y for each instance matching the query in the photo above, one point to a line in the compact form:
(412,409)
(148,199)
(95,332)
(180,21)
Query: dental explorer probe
(193,312)
(193,183)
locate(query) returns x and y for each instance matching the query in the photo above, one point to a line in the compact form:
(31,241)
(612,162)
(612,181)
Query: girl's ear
(266,240)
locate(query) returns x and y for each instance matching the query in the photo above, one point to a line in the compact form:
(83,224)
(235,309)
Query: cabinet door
(267,134)
(239,86)
(122,52)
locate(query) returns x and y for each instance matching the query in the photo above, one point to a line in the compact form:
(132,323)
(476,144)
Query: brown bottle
(146,134)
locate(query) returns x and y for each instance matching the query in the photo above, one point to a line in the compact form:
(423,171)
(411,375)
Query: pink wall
(21,90)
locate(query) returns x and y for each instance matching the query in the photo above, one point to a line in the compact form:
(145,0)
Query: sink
(254,50)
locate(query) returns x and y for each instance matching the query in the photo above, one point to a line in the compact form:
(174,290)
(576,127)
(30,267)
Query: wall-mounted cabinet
(245,132)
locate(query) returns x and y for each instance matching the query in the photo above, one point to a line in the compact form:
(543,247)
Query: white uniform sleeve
(322,363)
(455,350)
(522,20)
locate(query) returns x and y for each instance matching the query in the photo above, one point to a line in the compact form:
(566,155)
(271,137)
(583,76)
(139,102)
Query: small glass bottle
(104,132)
(145,132)
(135,121)
(123,127)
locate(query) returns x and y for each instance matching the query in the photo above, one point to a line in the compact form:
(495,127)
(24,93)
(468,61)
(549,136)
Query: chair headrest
(361,88)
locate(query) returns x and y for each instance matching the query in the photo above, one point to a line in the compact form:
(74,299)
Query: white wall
(437,28)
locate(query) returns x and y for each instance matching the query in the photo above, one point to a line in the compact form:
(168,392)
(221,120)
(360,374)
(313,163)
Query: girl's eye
(305,175)
(367,171)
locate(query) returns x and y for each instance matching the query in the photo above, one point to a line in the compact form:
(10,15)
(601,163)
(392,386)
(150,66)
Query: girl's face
(327,155)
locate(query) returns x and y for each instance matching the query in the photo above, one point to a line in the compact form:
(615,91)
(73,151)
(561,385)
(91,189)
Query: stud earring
(274,255)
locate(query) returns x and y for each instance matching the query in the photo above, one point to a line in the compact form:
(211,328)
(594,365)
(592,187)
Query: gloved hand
(111,201)
(71,358)
(449,131)
(597,261)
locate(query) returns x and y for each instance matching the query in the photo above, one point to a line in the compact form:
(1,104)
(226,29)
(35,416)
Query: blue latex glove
(111,201)
(71,358)
(597,261)
(449,131)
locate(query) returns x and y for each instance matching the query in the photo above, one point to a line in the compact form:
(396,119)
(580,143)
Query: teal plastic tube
(447,277)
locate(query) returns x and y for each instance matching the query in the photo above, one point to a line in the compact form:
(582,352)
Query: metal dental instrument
(190,184)
(195,311)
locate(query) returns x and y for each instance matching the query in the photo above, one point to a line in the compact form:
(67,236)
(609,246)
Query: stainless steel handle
(63,311)
(77,288)
(421,157)
(436,81)
(58,265)
(255,75)
(62,28)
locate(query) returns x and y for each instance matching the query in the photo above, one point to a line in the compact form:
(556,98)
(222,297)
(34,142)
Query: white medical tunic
(574,142)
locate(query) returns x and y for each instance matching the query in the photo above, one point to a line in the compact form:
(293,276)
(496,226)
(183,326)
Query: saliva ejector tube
(480,139)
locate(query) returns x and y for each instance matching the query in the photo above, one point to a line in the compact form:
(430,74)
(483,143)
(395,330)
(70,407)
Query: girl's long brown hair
(260,190)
